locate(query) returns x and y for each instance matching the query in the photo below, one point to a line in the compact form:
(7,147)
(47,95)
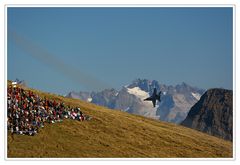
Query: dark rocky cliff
(213,114)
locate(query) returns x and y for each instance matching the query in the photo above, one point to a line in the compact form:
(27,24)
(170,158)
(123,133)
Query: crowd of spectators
(27,112)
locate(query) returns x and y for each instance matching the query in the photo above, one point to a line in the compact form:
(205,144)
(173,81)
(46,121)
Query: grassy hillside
(115,134)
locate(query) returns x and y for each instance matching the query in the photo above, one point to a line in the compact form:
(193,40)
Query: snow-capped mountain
(175,104)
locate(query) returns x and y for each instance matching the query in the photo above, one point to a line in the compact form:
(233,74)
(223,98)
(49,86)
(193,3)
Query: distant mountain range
(213,114)
(208,111)
(174,107)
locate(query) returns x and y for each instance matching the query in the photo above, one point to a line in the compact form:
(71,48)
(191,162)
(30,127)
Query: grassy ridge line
(115,134)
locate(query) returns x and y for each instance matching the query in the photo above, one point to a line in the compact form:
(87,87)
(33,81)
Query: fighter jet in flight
(154,97)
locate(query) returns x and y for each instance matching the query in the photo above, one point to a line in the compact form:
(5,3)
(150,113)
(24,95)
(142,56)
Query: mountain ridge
(176,100)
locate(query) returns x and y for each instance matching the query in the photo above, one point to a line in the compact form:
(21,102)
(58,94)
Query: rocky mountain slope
(213,114)
(176,100)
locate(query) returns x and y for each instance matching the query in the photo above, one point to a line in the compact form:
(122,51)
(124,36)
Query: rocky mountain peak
(176,100)
(213,113)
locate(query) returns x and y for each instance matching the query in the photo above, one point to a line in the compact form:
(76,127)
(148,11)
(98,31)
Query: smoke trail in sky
(51,60)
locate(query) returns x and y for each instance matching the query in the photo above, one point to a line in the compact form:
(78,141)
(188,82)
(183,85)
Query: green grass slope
(114,134)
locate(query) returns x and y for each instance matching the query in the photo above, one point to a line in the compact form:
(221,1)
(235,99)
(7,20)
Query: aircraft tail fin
(159,96)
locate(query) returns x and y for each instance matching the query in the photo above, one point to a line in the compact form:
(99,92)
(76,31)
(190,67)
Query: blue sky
(85,49)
